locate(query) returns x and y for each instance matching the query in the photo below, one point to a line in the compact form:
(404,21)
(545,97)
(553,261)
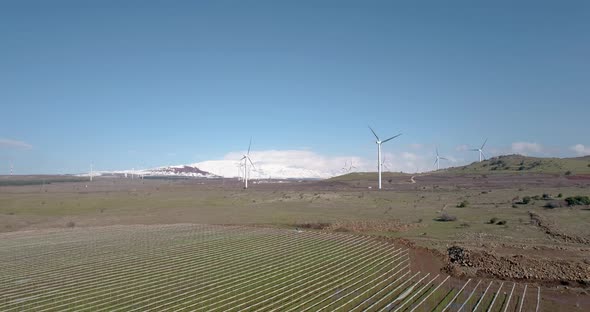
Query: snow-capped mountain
(223,168)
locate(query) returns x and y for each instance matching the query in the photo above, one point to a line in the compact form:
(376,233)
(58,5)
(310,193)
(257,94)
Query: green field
(215,268)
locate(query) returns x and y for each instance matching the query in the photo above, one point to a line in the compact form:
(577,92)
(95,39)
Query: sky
(141,84)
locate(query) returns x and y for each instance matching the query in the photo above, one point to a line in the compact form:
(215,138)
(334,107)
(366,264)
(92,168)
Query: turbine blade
(437,151)
(484,155)
(484,143)
(475,150)
(375,134)
(249,145)
(393,137)
(435,162)
(251,163)
(443,158)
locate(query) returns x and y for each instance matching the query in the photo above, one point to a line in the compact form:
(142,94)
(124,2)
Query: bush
(463,204)
(525,200)
(568,173)
(445,217)
(546,196)
(493,220)
(536,197)
(577,200)
(559,195)
(464,225)
(553,204)
(503,222)
(70,224)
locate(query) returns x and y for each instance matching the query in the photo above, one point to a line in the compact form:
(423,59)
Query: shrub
(514,206)
(493,220)
(559,195)
(463,204)
(578,200)
(445,217)
(70,224)
(525,200)
(464,225)
(553,204)
(503,222)
(568,173)
(536,197)
(546,196)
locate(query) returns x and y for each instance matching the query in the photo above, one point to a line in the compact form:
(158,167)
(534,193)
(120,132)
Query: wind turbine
(438,158)
(379,143)
(482,156)
(345,168)
(246,159)
(91,173)
(239,166)
(384,163)
(351,166)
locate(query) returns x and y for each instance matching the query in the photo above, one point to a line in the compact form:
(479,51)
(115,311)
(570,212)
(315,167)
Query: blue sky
(150,83)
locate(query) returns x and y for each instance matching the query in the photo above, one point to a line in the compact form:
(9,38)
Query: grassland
(406,212)
(526,164)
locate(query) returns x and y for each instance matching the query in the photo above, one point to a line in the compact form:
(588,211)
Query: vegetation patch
(577,200)
(445,217)
(463,204)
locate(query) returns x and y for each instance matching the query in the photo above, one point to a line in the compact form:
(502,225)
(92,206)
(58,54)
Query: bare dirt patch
(471,263)
(361,226)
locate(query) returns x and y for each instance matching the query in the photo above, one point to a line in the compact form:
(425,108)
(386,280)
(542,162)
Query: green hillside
(519,163)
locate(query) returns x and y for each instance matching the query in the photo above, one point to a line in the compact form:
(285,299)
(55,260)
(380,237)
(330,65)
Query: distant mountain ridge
(223,168)
(520,163)
(232,169)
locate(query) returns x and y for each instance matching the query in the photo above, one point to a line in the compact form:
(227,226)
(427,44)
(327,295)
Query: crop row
(229,268)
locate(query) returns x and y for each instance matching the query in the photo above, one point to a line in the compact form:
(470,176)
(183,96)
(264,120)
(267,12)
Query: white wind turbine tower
(482,156)
(379,142)
(247,159)
(438,158)
(91,172)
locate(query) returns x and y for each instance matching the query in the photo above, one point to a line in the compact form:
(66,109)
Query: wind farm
(126,183)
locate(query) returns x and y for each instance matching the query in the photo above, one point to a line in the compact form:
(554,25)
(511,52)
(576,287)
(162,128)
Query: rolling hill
(520,163)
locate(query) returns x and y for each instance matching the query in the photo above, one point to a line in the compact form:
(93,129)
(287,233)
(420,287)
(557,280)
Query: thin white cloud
(416,146)
(461,148)
(306,163)
(526,148)
(581,150)
(8,143)
(304,159)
